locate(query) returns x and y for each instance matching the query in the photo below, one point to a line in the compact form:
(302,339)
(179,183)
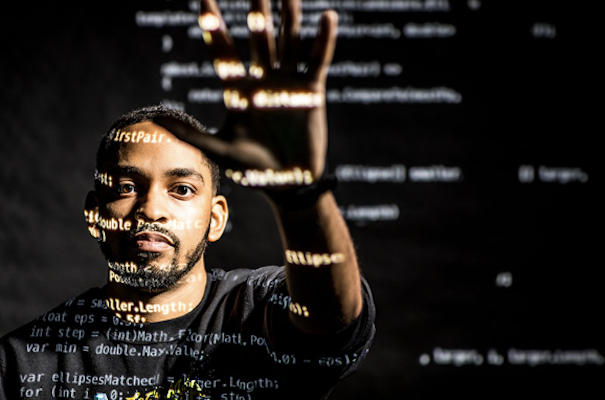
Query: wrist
(299,198)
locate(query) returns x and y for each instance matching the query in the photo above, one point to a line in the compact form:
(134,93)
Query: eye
(184,190)
(125,188)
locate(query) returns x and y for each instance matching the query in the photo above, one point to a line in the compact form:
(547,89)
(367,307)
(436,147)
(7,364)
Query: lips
(153,241)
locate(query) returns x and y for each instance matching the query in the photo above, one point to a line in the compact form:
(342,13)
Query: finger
(289,34)
(212,146)
(323,48)
(262,39)
(216,35)
(236,152)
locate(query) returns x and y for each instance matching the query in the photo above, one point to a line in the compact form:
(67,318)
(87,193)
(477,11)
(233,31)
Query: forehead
(152,147)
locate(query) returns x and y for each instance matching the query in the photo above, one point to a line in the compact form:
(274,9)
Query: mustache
(151,227)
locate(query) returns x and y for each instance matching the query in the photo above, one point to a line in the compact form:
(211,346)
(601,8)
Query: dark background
(441,270)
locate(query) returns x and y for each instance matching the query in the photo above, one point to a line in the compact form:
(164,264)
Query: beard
(148,273)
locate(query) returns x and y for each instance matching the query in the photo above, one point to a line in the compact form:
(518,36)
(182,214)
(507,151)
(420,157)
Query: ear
(91,213)
(219,214)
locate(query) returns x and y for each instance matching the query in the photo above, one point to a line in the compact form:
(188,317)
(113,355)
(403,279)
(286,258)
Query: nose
(153,207)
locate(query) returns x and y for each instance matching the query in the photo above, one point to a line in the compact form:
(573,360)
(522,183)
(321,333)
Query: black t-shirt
(237,344)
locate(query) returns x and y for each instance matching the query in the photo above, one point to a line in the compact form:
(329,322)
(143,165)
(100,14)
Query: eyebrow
(184,173)
(176,172)
(125,170)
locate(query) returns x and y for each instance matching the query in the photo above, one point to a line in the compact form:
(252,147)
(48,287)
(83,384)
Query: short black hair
(135,116)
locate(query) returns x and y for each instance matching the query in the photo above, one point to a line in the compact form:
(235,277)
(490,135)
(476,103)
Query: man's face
(155,207)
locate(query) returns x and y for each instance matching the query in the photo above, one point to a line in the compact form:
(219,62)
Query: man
(164,327)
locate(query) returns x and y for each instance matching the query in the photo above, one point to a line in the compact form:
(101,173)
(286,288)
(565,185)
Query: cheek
(119,209)
(112,222)
(191,225)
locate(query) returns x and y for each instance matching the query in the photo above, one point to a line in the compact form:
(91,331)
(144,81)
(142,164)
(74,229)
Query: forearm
(258,135)
(321,266)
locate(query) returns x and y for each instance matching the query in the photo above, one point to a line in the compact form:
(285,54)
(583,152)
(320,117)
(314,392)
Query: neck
(147,306)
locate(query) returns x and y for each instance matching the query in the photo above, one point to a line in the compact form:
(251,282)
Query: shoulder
(41,339)
(242,289)
(70,311)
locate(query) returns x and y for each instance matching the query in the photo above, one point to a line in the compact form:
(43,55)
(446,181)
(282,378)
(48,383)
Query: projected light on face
(149,272)
(103,179)
(154,220)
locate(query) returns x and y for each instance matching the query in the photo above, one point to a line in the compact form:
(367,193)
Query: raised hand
(275,132)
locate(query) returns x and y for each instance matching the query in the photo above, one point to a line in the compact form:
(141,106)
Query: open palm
(276,115)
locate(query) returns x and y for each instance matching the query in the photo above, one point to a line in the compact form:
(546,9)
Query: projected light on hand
(286,99)
(234,100)
(209,22)
(270,177)
(256,71)
(256,22)
(229,69)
